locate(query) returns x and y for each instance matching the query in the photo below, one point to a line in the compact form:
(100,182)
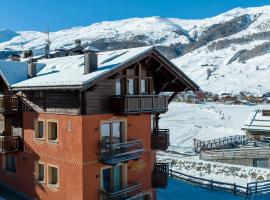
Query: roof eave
(59,87)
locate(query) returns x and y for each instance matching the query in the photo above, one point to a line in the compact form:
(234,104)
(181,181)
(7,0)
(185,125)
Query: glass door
(112,178)
(117,178)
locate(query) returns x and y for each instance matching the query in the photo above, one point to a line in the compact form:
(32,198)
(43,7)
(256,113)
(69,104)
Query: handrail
(9,143)
(218,143)
(246,152)
(117,151)
(132,189)
(9,103)
(128,104)
(251,189)
(160,139)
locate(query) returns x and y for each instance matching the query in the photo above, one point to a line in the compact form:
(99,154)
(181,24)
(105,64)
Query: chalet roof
(68,72)
(13,72)
(257,122)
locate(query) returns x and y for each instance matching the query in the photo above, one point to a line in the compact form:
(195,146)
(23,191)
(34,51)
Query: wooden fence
(220,143)
(239,153)
(251,189)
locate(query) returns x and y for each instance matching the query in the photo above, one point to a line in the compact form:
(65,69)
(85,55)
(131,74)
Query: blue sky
(59,14)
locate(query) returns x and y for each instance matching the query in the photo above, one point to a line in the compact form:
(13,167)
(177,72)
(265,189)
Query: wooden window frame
(4,164)
(54,186)
(48,129)
(44,129)
(37,163)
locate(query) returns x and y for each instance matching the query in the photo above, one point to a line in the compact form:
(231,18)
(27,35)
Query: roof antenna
(48,43)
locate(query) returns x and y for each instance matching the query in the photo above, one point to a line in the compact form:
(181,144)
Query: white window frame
(37,172)
(37,129)
(48,129)
(55,186)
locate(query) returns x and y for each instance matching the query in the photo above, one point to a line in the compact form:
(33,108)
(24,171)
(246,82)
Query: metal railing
(9,144)
(160,175)
(133,191)
(239,153)
(160,139)
(250,189)
(9,104)
(116,151)
(220,143)
(133,104)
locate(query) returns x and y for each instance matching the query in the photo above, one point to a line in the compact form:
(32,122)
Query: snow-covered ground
(203,122)
(217,171)
(179,190)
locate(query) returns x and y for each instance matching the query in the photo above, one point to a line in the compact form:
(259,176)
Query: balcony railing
(132,192)
(136,104)
(9,104)
(9,144)
(160,139)
(160,175)
(118,152)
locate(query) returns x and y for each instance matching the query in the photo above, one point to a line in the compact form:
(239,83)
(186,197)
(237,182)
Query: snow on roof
(69,71)
(13,72)
(257,122)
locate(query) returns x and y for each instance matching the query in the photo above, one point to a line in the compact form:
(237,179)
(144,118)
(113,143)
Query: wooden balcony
(160,139)
(119,152)
(9,104)
(136,104)
(9,144)
(132,192)
(160,175)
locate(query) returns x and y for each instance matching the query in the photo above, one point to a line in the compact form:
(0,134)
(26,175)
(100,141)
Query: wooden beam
(166,84)
(172,97)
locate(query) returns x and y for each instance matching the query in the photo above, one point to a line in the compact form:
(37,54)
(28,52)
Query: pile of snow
(217,171)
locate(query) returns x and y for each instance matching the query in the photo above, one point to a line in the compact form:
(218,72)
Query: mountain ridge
(209,50)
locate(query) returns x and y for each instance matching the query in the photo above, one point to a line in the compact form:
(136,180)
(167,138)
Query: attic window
(266,113)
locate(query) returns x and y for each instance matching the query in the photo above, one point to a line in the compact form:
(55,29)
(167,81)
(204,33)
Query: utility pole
(48,43)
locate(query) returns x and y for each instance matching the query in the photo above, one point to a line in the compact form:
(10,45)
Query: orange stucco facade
(76,155)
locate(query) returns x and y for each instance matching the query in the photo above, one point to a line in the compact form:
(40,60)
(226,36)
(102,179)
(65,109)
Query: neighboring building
(87,126)
(257,126)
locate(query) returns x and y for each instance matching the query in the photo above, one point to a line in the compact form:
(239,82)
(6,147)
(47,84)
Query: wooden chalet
(257,126)
(87,126)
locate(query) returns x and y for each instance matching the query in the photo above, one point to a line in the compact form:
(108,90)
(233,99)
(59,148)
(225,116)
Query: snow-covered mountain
(226,53)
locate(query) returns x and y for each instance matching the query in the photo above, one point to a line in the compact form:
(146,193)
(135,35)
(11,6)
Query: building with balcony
(87,126)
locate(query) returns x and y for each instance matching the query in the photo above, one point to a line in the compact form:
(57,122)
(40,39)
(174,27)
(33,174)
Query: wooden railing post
(256,188)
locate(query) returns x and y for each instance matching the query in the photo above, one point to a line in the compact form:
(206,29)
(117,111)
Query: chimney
(78,42)
(27,53)
(15,57)
(90,62)
(31,68)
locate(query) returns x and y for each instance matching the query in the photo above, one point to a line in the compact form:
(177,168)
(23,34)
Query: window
(52,131)
(130,86)
(143,86)
(117,87)
(53,176)
(112,132)
(112,178)
(10,163)
(40,172)
(39,129)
